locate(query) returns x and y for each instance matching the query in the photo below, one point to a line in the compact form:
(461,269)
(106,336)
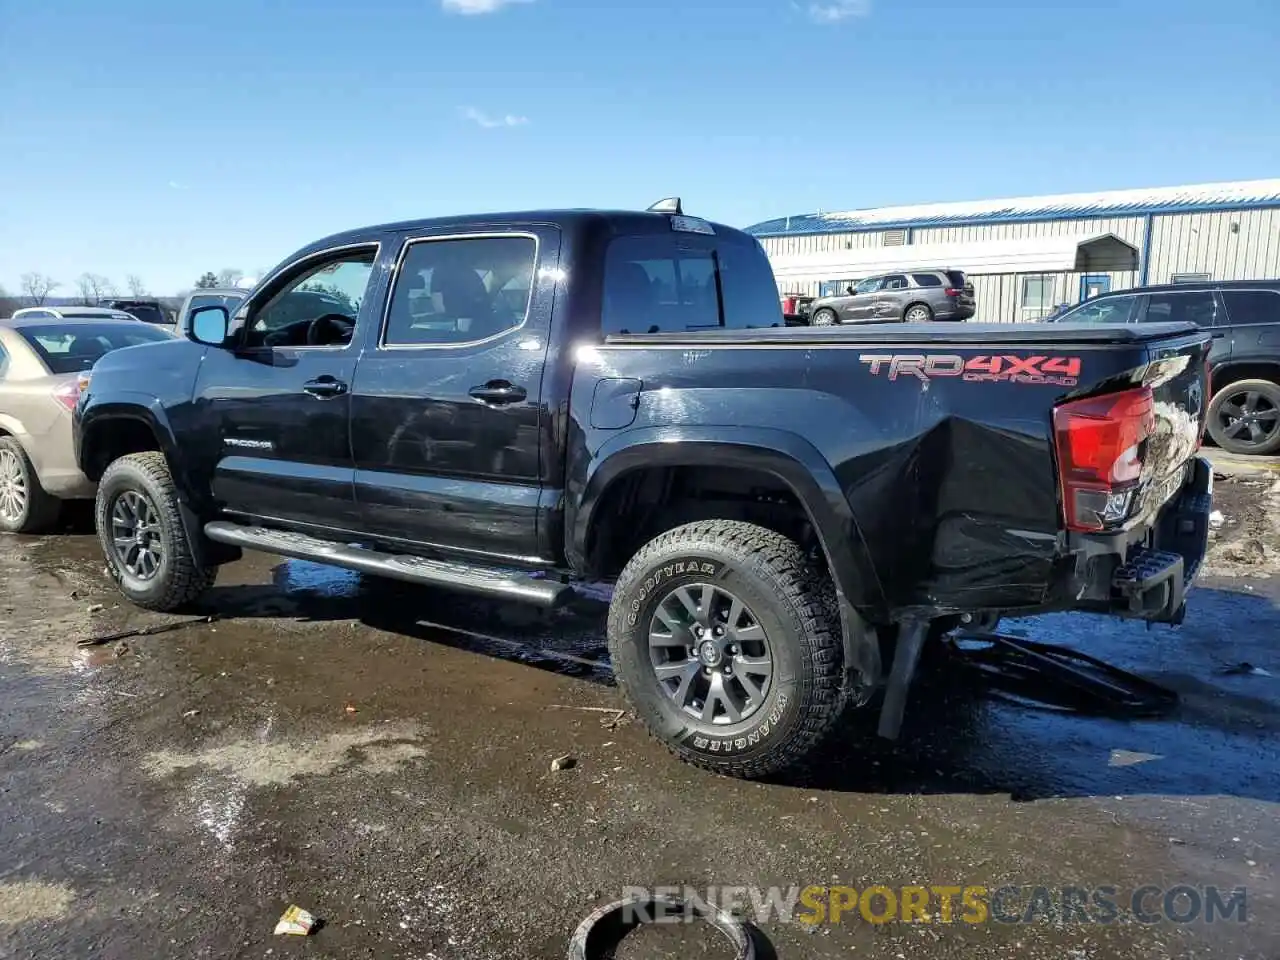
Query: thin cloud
(836,11)
(473,8)
(482,119)
(175,185)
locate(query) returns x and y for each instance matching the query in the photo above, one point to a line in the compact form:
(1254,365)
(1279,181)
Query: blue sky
(169,138)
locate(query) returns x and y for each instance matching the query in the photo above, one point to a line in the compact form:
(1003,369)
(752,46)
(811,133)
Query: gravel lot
(382,757)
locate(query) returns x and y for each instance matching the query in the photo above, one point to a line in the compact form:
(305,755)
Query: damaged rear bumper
(1145,573)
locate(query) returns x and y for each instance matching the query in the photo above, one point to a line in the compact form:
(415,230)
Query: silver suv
(913,296)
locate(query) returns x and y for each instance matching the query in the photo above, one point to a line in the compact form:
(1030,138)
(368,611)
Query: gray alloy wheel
(710,654)
(136,536)
(13,487)
(824,318)
(919,314)
(1245,417)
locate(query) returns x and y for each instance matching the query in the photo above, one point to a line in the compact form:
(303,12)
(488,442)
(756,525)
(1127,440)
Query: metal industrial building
(1029,254)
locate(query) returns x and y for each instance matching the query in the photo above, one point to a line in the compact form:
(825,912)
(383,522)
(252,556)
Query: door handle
(324,388)
(498,392)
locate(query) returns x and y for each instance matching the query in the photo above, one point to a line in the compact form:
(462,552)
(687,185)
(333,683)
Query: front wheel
(723,641)
(824,318)
(145,544)
(1244,417)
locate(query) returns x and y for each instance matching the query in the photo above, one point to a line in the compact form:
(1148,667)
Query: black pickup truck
(515,405)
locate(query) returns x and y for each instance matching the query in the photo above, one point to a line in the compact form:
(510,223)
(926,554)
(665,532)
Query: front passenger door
(277,398)
(858,308)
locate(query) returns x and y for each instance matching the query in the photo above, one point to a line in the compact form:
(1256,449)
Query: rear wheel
(723,642)
(1244,417)
(824,318)
(918,313)
(25,507)
(145,544)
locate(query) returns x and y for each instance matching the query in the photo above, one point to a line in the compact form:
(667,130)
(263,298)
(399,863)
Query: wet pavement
(381,755)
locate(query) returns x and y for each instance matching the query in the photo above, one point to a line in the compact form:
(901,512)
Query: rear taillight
(1100,446)
(954,291)
(789,305)
(69,393)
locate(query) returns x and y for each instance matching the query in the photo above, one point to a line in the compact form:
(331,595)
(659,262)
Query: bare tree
(228,276)
(92,288)
(36,287)
(136,287)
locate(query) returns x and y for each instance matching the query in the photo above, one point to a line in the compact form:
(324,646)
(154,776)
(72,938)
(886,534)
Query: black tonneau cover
(954,333)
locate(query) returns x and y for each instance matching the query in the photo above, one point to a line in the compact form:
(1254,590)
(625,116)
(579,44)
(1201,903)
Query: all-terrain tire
(789,599)
(179,578)
(41,509)
(1236,394)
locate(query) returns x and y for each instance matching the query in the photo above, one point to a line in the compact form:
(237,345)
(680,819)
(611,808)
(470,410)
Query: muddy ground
(382,758)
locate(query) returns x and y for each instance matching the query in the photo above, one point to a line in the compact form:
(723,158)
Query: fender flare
(784,455)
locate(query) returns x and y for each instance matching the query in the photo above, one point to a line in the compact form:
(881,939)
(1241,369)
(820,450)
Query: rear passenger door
(449,434)
(891,299)
(1252,323)
(1201,307)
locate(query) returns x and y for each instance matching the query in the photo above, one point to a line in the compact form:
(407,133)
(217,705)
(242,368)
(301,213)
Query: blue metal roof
(1070,206)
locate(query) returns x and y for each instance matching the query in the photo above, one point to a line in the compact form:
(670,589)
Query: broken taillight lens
(1100,443)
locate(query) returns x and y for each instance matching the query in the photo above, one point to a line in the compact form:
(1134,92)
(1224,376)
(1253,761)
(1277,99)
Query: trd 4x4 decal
(996,368)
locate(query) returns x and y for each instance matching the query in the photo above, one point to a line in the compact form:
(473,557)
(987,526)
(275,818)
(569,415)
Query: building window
(1190,277)
(1037,294)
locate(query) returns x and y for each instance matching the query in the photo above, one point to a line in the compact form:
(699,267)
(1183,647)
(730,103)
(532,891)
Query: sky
(165,139)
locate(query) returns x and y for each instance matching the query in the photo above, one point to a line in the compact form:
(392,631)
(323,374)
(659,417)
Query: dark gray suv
(912,296)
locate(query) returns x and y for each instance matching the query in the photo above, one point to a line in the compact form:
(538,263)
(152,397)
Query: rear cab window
(660,283)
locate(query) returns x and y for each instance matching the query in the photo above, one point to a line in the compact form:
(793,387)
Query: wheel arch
(1233,371)
(788,458)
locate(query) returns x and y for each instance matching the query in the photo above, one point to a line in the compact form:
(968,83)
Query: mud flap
(911,638)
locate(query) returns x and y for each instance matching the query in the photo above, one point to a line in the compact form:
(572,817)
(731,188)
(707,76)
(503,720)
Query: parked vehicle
(769,504)
(797,308)
(1244,318)
(41,362)
(72,313)
(911,296)
(229,297)
(146,310)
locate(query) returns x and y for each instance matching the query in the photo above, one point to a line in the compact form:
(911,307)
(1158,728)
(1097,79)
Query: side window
(316,307)
(1198,307)
(461,291)
(1108,310)
(4,362)
(747,286)
(927,279)
(658,283)
(1252,306)
(869,285)
(895,281)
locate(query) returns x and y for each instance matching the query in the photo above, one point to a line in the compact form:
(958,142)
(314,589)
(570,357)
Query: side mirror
(209,326)
(850,290)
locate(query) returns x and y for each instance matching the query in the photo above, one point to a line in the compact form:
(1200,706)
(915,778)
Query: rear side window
(927,279)
(461,291)
(1252,306)
(656,284)
(1198,307)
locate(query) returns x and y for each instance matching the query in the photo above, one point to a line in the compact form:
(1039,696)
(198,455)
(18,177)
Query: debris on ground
(96,608)
(191,713)
(350,708)
(140,631)
(567,762)
(1250,551)
(1216,519)
(1245,669)
(296,922)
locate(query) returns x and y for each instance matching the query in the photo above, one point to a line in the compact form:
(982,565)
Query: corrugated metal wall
(1206,243)
(1180,243)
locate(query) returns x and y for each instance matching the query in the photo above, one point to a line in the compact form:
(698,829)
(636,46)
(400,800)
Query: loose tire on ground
(782,594)
(25,507)
(1232,403)
(824,318)
(178,578)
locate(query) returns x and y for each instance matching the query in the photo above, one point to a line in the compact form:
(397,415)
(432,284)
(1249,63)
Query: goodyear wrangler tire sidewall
(769,729)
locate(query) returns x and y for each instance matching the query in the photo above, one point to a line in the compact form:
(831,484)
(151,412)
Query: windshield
(228,300)
(72,347)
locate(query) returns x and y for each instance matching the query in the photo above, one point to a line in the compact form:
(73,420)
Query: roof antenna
(669,205)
